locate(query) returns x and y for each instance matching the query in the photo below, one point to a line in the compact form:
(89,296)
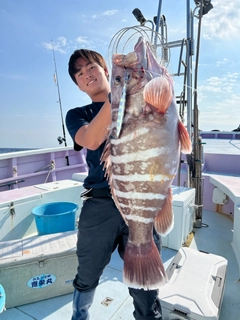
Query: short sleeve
(74,121)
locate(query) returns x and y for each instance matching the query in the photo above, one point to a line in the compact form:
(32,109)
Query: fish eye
(117,80)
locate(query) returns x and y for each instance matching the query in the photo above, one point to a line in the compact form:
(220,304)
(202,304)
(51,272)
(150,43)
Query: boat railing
(231,135)
(26,168)
(11,183)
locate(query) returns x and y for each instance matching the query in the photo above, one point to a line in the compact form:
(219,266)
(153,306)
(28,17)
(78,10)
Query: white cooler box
(38,268)
(183,209)
(195,288)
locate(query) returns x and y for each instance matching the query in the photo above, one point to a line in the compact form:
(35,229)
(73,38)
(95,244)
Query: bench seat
(230,186)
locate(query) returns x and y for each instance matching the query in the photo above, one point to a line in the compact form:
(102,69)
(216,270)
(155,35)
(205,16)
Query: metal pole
(158,21)
(158,15)
(197,139)
(189,68)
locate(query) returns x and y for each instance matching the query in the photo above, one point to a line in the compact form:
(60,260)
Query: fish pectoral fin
(158,94)
(186,144)
(164,221)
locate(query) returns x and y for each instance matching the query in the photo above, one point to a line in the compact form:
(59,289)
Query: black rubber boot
(82,301)
(146,304)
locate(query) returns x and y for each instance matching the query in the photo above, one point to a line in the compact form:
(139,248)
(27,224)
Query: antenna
(60,139)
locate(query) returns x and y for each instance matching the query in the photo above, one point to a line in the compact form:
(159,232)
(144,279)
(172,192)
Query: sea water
(7,150)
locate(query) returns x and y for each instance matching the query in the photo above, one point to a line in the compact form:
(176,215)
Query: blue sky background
(29,112)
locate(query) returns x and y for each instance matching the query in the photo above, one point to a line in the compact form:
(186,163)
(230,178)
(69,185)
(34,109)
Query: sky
(30,112)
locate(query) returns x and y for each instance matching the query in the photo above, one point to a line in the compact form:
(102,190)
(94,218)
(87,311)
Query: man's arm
(91,136)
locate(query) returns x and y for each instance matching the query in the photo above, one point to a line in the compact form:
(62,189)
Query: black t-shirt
(75,119)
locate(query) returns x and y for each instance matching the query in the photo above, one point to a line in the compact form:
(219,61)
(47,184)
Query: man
(101,228)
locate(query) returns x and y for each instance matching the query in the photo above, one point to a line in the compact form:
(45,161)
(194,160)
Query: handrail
(11,183)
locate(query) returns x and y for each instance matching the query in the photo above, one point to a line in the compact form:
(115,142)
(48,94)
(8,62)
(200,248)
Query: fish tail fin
(143,267)
(164,221)
(158,94)
(186,145)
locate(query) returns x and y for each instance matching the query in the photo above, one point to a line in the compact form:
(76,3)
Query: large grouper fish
(141,158)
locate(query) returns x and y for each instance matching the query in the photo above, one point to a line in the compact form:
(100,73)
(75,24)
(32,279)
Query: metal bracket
(41,263)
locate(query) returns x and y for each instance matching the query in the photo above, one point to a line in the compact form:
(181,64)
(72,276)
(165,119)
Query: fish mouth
(90,82)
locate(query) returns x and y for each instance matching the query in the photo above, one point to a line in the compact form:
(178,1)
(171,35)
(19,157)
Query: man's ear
(106,72)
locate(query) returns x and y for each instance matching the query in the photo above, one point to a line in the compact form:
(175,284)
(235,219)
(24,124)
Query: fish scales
(141,158)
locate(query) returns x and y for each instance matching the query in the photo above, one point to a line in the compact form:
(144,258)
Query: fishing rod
(60,139)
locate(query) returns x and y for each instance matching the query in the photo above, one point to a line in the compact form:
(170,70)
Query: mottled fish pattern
(141,158)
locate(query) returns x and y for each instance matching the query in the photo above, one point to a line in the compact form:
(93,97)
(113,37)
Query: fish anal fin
(158,94)
(164,221)
(143,267)
(186,145)
(106,159)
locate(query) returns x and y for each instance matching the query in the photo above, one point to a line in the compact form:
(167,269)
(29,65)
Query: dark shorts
(102,230)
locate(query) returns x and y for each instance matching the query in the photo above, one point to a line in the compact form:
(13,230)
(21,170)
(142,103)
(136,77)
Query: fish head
(134,70)
(146,58)
(129,77)
(130,74)
(123,74)
(127,83)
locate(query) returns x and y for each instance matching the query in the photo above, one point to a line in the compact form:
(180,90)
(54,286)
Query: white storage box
(183,209)
(195,288)
(38,268)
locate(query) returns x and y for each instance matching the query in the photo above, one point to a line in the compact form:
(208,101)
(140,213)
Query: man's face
(91,78)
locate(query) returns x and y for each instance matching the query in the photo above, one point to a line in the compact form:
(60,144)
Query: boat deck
(112,300)
(221,146)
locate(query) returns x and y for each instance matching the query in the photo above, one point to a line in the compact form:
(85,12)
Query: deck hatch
(106,302)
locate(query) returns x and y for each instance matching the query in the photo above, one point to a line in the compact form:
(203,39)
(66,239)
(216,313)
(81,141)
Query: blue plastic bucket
(2,299)
(55,217)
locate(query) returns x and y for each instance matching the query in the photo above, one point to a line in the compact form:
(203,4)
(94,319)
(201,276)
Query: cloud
(221,114)
(64,46)
(220,63)
(219,102)
(108,13)
(84,42)
(228,83)
(222,21)
(61,45)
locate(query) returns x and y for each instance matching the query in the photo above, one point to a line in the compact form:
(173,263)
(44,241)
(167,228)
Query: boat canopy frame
(188,96)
